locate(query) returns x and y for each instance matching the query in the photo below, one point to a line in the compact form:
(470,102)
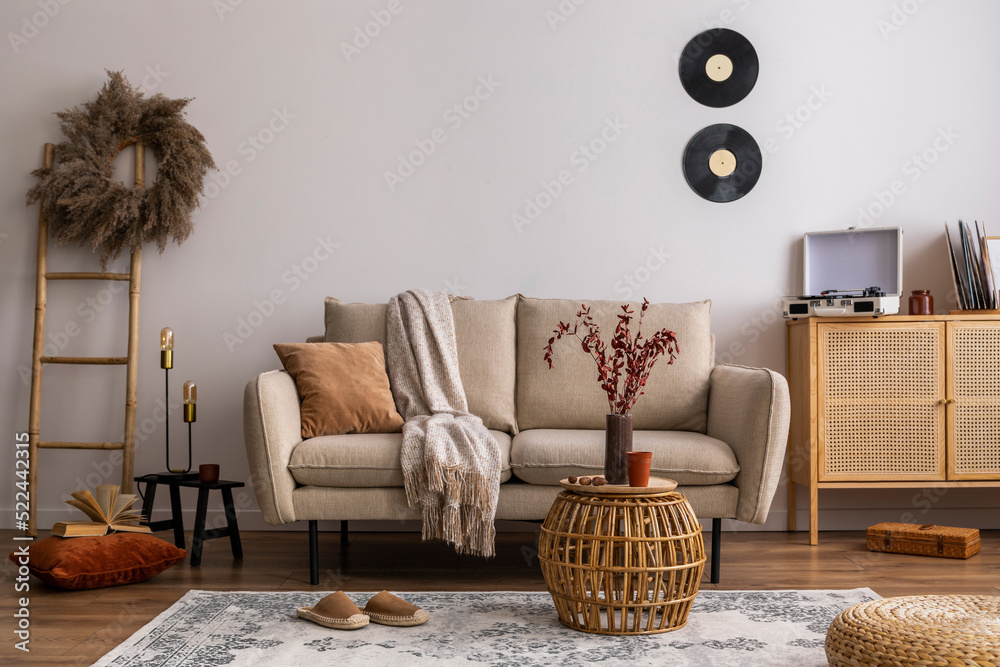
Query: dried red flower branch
(634,356)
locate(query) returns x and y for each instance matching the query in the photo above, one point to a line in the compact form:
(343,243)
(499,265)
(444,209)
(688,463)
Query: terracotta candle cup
(638,468)
(208,473)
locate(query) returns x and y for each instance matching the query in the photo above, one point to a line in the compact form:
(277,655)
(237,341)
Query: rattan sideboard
(892,402)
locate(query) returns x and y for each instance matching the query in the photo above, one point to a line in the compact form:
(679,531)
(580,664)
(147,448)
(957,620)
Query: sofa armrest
(272,427)
(748,409)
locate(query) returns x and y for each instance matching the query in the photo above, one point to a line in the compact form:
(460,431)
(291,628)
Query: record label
(722,162)
(719,67)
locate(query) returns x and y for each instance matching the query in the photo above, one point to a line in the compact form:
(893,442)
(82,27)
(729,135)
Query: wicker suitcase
(923,540)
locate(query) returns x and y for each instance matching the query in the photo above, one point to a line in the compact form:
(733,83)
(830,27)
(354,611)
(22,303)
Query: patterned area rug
(503,628)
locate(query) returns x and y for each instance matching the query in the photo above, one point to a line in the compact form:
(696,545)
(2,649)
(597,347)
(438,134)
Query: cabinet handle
(946,401)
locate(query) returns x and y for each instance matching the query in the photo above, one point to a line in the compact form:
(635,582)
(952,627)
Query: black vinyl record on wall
(722,162)
(719,67)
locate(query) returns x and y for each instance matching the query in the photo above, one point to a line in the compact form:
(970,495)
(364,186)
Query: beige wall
(849,93)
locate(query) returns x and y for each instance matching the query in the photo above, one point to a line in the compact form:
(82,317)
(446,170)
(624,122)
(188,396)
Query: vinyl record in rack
(719,67)
(722,162)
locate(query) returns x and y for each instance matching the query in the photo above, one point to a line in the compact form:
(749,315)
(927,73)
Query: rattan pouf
(918,630)
(622,565)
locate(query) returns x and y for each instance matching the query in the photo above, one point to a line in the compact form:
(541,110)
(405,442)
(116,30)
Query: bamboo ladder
(127,445)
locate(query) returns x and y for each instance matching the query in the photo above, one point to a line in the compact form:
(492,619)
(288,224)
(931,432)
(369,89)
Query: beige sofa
(720,431)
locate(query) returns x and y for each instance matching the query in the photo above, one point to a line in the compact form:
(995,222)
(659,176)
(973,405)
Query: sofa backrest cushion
(569,395)
(485,334)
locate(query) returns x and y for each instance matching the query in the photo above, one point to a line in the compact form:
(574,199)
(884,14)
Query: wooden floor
(77,627)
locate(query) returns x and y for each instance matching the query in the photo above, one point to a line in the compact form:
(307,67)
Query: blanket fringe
(451,510)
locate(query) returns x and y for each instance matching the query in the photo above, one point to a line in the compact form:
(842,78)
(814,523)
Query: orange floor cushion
(96,562)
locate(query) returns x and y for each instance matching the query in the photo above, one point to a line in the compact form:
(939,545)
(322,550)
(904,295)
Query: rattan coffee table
(917,630)
(621,564)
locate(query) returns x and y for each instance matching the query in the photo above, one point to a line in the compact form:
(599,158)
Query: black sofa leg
(716,549)
(343,533)
(314,552)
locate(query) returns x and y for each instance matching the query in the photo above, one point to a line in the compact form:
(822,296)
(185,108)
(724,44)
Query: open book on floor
(110,511)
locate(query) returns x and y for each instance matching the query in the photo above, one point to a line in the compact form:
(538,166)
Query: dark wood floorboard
(77,627)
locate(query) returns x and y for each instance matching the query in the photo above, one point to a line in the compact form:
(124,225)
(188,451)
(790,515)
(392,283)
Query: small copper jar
(921,302)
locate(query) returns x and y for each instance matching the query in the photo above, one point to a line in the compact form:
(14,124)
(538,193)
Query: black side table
(232,529)
(177,520)
(175,481)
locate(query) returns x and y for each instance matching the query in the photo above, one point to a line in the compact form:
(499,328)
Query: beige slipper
(387,609)
(335,611)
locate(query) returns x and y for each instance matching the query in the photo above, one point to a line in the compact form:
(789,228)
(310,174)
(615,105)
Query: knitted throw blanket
(451,463)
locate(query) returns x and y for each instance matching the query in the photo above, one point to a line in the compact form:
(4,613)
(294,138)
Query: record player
(853,272)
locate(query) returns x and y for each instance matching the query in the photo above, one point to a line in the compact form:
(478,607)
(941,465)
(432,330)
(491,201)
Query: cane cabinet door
(973,400)
(881,401)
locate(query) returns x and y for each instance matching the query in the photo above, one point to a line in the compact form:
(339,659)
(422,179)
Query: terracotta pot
(638,468)
(617,443)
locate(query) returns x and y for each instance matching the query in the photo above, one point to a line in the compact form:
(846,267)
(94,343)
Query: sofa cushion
(485,335)
(545,456)
(363,460)
(343,387)
(569,396)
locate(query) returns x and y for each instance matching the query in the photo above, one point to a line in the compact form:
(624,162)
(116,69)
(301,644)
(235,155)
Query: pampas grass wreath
(79,196)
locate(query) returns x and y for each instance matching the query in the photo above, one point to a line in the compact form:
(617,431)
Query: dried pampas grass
(79,196)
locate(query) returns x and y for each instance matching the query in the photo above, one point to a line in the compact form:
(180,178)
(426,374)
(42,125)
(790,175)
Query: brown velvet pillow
(343,387)
(95,562)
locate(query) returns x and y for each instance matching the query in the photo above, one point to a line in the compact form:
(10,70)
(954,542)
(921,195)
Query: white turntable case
(853,259)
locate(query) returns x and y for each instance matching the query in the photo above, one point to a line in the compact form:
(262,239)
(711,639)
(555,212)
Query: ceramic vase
(617,443)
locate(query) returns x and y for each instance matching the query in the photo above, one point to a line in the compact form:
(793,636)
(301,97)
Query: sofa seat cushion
(363,460)
(485,336)
(545,456)
(569,396)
